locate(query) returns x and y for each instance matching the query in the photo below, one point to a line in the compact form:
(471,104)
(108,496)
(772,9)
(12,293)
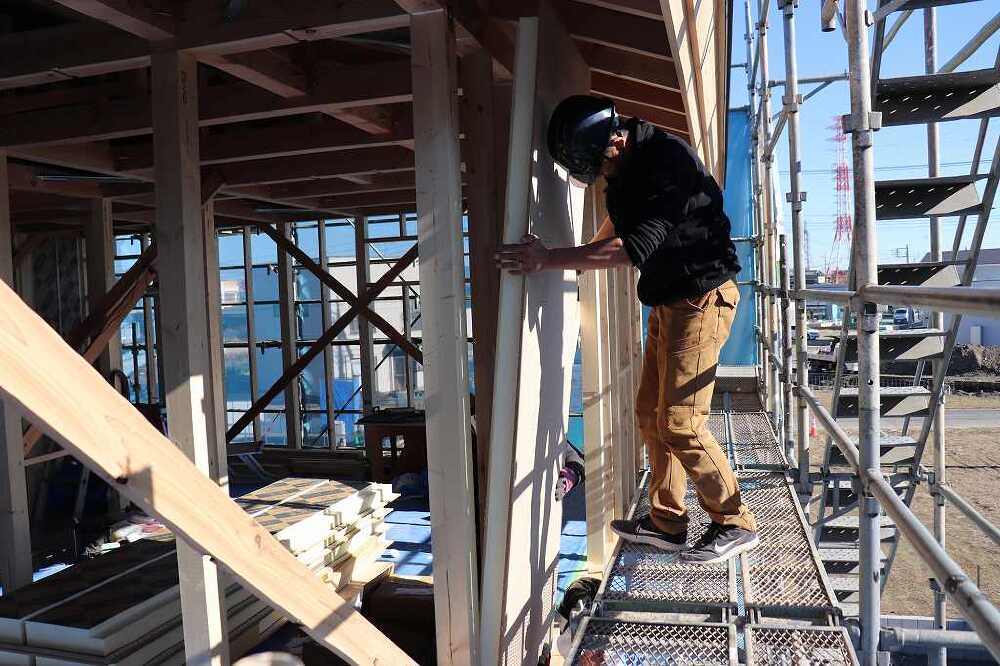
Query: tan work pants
(675,396)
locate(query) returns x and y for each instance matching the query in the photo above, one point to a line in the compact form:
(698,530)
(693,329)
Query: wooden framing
(64,396)
(185,340)
(316,348)
(275,111)
(448,422)
(598,443)
(15,531)
(476,75)
(99,237)
(536,343)
(289,342)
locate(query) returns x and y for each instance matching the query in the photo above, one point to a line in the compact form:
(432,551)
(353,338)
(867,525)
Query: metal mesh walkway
(773,605)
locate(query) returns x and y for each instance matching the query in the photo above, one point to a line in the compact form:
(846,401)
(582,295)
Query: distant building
(978,329)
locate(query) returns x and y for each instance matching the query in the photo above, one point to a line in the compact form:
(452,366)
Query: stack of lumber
(124,607)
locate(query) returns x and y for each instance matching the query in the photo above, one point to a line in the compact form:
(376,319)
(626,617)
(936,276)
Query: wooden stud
(446,381)
(99,238)
(63,395)
(185,339)
(15,530)
(289,340)
(251,328)
(484,233)
(596,387)
(364,329)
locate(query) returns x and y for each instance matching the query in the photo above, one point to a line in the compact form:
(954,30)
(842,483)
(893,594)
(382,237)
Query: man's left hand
(528,256)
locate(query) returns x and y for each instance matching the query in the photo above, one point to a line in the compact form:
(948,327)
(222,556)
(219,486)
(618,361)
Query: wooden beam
(361,161)
(289,338)
(365,200)
(666,101)
(629,65)
(668,120)
(73,51)
(446,383)
(476,75)
(383,182)
(86,416)
(99,239)
(347,87)
(15,528)
(131,17)
(301,136)
(316,348)
(184,340)
(596,387)
(600,25)
(343,292)
(645,8)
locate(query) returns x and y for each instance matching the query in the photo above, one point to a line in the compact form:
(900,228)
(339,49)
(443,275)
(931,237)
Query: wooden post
(185,335)
(446,381)
(251,328)
(596,387)
(484,233)
(289,351)
(365,328)
(326,317)
(15,528)
(99,237)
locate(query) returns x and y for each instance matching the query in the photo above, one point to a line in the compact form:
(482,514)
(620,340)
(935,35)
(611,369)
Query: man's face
(615,146)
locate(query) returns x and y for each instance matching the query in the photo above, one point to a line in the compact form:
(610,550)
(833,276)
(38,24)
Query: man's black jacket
(667,210)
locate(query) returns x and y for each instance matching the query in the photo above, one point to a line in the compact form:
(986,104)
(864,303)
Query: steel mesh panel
(646,575)
(717,426)
(783,571)
(754,442)
(798,646)
(640,644)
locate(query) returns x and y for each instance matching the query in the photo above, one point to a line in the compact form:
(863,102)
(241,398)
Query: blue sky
(900,152)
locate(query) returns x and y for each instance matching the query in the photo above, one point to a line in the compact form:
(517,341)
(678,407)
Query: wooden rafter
(79,50)
(61,393)
(358,86)
(357,306)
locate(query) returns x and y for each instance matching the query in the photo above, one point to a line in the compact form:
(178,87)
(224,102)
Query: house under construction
(247,281)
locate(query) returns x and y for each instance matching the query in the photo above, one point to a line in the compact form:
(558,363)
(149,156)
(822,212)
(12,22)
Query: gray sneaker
(644,531)
(719,543)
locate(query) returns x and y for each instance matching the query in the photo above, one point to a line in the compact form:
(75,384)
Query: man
(665,217)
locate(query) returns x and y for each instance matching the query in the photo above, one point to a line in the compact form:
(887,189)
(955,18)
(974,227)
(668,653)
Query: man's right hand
(528,256)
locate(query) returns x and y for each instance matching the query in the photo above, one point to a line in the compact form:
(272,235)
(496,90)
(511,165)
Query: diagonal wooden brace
(316,348)
(62,394)
(345,294)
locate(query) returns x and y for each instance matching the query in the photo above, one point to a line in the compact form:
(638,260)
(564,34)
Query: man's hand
(528,256)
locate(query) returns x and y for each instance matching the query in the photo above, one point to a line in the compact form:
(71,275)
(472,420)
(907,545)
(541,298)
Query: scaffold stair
(916,344)
(896,401)
(926,197)
(923,274)
(923,4)
(894,450)
(912,100)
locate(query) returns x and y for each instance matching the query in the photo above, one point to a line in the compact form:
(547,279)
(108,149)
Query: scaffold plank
(783,576)
(646,578)
(769,644)
(755,445)
(604,641)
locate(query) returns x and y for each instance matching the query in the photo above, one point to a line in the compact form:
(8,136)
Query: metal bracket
(873,122)
(790,103)
(788,3)
(870,318)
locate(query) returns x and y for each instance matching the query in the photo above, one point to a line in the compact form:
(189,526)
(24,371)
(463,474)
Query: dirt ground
(973,471)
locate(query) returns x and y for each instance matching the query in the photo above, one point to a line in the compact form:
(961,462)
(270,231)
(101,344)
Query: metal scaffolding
(866,485)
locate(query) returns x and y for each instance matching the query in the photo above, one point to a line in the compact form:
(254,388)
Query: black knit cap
(579,132)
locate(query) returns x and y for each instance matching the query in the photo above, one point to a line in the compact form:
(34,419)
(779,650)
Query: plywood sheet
(550,329)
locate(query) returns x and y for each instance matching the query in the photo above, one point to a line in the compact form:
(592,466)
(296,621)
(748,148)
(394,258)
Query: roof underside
(305,107)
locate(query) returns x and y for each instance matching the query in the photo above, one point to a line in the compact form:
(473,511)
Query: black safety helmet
(579,132)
